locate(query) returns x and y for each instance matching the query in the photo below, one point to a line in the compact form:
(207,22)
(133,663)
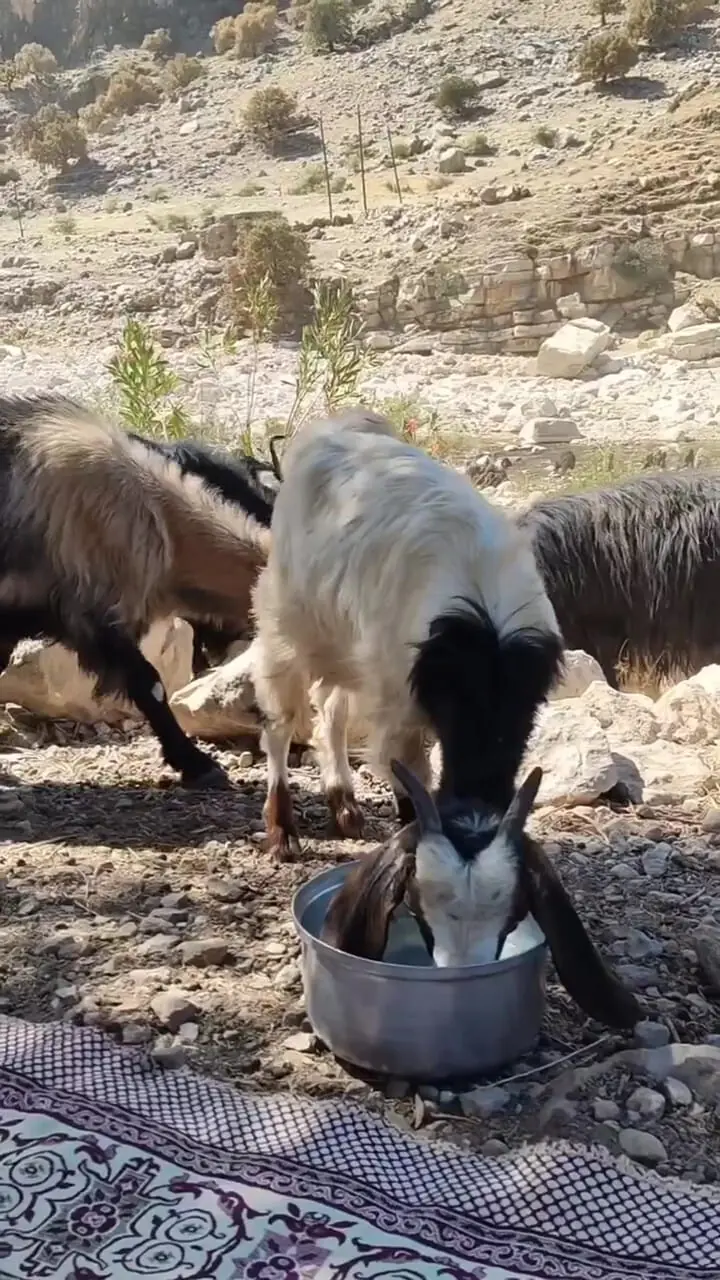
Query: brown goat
(99,537)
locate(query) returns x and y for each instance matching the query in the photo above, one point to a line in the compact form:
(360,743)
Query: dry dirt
(105,874)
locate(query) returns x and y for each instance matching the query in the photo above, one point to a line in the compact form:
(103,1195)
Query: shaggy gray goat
(469,876)
(101,536)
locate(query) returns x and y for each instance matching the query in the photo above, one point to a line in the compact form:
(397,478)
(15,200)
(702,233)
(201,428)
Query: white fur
(465,903)
(372,539)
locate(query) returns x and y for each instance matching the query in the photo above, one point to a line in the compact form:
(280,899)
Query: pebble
(301,1042)
(487,1100)
(244,760)
(648,1104)
(288,976)
(678,1093)
(651,1035)
(605,1109)
(641,1146)
(494,1147)
(173,1007)
(225,889)
(638,975)
(202,952)
(655,860)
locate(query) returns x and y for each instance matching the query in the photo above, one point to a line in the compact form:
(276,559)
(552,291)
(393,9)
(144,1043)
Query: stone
(573,751)
(689,714)
(624,717)
(452,160)
(225,888)
(711,820)
(301,1042)
(655,860)
(569,351)
(685,317)
(605,1109)
(46,678)
(678,1060)
(221,702)
(651,1034)
(678,1093)
(641,1146)
(660,772)
(638,976)
(494,1147)
(549,431)
(487,1100)
(581,670)
(202,952)
(173,1007)
(646,1103)
(706,944)
(697,342)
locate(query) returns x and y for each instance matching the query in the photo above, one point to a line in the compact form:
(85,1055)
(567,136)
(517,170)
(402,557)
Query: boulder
(451,160)
(221,702)
(697,342)
(549,431)
(685,317)
(625,717)
(574,753)
(581,670)
(660,772)
(569,351)
(689,714)
(46,678)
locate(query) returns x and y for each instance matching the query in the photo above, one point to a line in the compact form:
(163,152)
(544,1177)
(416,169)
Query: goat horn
(518,811)
(425,807)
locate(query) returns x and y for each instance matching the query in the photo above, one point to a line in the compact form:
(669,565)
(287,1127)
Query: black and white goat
(633,572)
(100,536)
(469,875)
(390,579)
(246,483)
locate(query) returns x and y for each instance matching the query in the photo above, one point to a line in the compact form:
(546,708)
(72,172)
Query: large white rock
(689,714)
(685,317)
(47,680)
(580,671)
(625,717)
(549,431)
(660,772)
(572,348)
(451,160)
(574,753)
(698,342)
(221,702)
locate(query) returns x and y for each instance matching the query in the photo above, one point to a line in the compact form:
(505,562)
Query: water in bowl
(405,944)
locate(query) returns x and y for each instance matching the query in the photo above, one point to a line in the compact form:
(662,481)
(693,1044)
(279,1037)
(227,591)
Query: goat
(390,579)
(246,483)
(469,875)
(633,571)
(100,536)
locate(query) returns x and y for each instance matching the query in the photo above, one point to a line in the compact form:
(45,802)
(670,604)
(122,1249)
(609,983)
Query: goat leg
(114,657)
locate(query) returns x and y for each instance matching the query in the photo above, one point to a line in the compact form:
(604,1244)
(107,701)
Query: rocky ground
(155,914)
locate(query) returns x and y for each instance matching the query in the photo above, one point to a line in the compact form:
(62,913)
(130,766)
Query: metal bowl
(404,1017)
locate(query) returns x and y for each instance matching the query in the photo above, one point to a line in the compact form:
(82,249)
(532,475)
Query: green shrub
(476,144)
(52,138)
(604,9)
(656,22)
(131,87)
(35,62)
(159,43)
(180,72)
(249,34)
(609,55)
(268,250)
(270,115)
(328,24)
(457,96)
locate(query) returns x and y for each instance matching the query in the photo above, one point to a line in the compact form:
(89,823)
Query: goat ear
(580,968)
(358,919)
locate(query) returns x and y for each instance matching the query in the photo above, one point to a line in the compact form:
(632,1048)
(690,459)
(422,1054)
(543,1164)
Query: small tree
(656,21)
(35,62)
(52,138)
(609,55)
(328,24)
(604,9)
(159,43)
(270,115)
(272,254)
(457,96)
(181,71)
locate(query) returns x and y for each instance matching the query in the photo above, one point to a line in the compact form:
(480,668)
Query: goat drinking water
(390,579)
(99,537)
(469,875)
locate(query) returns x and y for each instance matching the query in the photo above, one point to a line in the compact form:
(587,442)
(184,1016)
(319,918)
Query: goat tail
(480,688)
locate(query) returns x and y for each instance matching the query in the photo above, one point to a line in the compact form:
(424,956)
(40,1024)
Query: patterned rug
(113,1167)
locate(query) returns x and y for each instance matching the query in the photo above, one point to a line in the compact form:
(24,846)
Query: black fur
(237,480)
(633,572)
(481,695)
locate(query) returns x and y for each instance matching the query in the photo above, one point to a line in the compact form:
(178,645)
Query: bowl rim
(402,972)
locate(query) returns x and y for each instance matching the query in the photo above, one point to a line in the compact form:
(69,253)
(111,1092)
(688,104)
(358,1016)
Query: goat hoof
(213,779)
(283,846)
(346,819)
